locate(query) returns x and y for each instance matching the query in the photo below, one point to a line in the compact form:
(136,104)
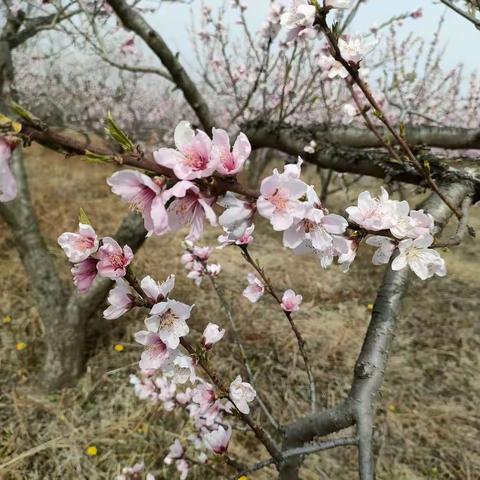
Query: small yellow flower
(21,346)
(370,307)
(119,347)
(392,408)
(243,477)
(7,319)
(91,451)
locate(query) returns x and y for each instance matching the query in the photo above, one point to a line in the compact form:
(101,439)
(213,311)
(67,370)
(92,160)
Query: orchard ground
(427,420)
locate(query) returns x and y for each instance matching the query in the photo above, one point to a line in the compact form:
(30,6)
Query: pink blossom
(314,226)
(213,269)
(355,48)
(372,213)
(385,245)
(423,261)
(121,300)
(181,368)
(84,274)
(157,292)
(278,201)
(229,162)
(349,112)
(298,19)
(331,67)
(412,224)
(218,440)
(175,452)
(231,239)
(131,473)
(8,184)
(346,258)
(204,395)
(201,253)
(293,170)
(211,335)
(184,397)
(190,207)
(255,288)
(79,246)
(192,159)
(290,301)
(143,387)
(156,353)
(113,260)
(183,468)
(237,215)
(168,321)
(144,195)
(241,394)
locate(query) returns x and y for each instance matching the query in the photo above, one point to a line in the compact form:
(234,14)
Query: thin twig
(296,331)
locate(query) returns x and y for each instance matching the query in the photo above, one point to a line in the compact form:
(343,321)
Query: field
(428,417)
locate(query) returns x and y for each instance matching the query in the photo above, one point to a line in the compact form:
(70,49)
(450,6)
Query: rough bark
(355,137)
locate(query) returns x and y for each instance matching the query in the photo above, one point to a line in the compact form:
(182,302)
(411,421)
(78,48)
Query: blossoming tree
(196,182)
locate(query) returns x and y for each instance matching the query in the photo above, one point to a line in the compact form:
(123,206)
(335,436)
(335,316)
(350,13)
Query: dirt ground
(427,424)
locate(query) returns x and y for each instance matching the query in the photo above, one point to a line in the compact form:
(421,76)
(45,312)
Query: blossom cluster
(195,262)
(196,156)
(411,233)
(294,208)
(92,256)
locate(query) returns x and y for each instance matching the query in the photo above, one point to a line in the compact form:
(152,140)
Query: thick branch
(333,154)
(133,21)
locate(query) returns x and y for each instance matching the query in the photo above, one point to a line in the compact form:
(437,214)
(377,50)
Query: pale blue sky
(458,34)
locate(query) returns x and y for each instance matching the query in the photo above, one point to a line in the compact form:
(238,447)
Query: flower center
(142,199)
(168,319)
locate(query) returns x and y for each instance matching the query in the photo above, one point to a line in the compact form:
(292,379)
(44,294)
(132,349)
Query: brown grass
(427,421)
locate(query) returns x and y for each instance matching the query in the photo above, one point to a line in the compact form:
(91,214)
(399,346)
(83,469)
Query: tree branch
(133,21)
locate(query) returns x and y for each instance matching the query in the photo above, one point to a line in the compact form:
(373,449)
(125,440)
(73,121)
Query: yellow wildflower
(91,451)
(119,347)
(21,346)
(7,319)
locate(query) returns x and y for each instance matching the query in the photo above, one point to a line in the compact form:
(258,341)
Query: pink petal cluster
(298,20)
(8,184)
(121,300)
(191,158)
(157,292)
(255,288)
(411,231)
(190,208)
(211,335)
(291,301)
(229,162)
(242,393)
(113,259)
(79,246)
(236,220)
(198,156)
(423,261)
(353,49)
(175,456)
(279,199)
(131,473)
(195,262)
(144,195)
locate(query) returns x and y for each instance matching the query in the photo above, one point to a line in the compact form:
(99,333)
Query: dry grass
(427,422)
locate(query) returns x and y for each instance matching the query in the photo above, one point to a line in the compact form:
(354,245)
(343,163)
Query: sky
(460,37)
